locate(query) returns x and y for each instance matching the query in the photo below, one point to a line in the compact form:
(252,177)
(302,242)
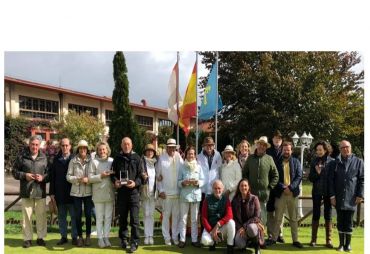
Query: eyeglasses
(345,147)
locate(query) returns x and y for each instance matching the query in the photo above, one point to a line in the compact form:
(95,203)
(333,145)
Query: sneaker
(40,242)
(74,241)
(168,242)
(146,240)
(175,242)
(133,248)
(270,242)
(101,243)
(27,244)
(94,233)
(87,241)
(62,241)
(80,242)
(107,242)
(212,247)
(280,239)
(124,243)
(151,240)
(298,245)
(196,244)
(181,244)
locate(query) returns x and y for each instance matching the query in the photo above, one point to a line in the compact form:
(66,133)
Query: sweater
(215,211)
(231,174)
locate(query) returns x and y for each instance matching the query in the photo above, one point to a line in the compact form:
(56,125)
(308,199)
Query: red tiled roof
(76,93)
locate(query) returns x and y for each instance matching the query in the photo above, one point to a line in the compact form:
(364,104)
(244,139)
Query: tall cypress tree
(123,123)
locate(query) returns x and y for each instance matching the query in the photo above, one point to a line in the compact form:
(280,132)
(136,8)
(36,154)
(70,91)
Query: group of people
(237,196)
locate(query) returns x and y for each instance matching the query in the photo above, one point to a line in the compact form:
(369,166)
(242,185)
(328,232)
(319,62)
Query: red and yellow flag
(188,108)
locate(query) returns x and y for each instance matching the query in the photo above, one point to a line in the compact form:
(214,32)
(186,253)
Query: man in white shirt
(167,169)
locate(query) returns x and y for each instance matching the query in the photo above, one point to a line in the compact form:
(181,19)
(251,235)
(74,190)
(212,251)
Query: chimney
(143,102)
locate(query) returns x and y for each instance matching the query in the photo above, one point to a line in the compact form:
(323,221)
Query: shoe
(175,242)
(280,239)
(62,241)
(212,247)
(146,240)
(230,249)
(87,241)
(181,244)
(94,233)
(133,248)
(347,245)
(40,242)
(270,242)
(107,242)
(151,240)
(124,243)
(168,242)
(196,244)
(74,241)
(80,242)
(341,242)
(298,245)
(101,243)
(27,244)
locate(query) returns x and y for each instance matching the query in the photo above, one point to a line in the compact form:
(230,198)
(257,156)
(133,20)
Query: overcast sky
(92,72)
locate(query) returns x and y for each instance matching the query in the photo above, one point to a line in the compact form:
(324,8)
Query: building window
(81,109)
(38,108)
(108,116)
(164,122)
(145,122)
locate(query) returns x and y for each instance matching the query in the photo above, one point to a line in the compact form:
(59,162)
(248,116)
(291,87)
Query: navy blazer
(295,177)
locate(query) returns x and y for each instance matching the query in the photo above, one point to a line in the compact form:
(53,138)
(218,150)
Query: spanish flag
(189,107)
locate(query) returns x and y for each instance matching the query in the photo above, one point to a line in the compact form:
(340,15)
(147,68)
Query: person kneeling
(217,219)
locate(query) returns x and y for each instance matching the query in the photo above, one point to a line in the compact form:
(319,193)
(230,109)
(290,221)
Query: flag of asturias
(208,106)
(188,108)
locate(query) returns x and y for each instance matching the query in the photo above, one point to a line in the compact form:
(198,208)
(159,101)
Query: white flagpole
(196,104)
(216,98)
(177,97)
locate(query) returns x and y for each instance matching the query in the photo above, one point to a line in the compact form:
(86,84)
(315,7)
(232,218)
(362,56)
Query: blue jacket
(295,177)
(346,181)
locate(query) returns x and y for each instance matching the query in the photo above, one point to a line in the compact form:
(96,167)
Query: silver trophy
(123,177)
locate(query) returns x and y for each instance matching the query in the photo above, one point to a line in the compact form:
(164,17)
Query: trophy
(123,177)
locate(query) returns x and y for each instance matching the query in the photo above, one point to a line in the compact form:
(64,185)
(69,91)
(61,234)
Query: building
(41,101)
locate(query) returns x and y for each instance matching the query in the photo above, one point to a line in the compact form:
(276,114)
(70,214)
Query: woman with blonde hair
(230,172)
(102,192)
(243,152)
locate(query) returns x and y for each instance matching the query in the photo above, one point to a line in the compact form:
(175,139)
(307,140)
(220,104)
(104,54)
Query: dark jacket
(295,177)
(59,186)
(25,164)
(133,164)
(320,183)
(276,154)
(346,181)
(262,175)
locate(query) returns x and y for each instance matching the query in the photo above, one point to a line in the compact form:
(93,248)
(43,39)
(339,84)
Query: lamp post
(304,142)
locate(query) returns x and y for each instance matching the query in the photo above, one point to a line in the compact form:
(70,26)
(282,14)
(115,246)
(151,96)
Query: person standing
(31,169)
(346,190)
(102,192)
(167,169)
(230,171)
(190,181)
(60,191)
(320,192)
(127,169)
(287,191)
(261,172)
(149,191)
(77,175)
(243,152)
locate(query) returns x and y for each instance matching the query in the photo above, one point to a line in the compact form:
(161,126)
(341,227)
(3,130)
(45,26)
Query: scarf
(191,165)
(150,161)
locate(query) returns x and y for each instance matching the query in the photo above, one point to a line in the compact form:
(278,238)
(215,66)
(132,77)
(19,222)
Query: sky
(92,72)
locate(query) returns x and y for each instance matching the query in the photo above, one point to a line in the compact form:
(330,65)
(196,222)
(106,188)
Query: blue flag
(208,106)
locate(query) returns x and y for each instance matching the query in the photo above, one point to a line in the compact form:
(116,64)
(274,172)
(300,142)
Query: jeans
(77,203)
(63,209)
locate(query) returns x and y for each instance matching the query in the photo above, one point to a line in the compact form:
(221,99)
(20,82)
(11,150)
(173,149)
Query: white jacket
(169,175)
(210,174)
(231,174)
(102,188)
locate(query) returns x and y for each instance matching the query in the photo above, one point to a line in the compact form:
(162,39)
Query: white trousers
(104,215)
(28,206)
(184,211)
(171,209)
(148,210)
(227,231)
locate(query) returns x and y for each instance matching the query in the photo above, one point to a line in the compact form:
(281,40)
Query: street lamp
(305,142)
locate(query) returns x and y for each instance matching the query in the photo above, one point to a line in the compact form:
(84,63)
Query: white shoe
(94,233)
(151,240)
(146,240)
(107,242)
(175,242)
(167,242)
(101,243)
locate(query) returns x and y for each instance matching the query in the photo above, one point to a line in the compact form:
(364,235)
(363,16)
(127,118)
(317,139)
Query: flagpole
(216,98)
(177,98)
(196,104)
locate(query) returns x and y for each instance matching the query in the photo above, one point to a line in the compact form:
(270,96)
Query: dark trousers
(129,203)
(77,203)
(316,203)
(344,221)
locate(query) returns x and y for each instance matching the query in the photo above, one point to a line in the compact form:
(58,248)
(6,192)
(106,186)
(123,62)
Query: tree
(123,124)
(291,91)
(80,126)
